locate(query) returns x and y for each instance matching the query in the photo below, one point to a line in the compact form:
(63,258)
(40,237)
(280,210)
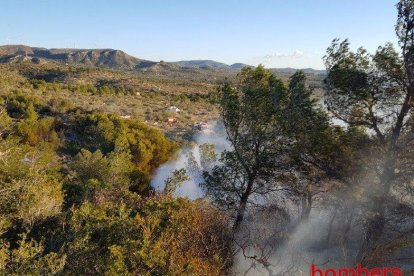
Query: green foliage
(30,113)
(280,138)
(250,113)
(373,94)
(355,95)
(148,147)
(208,156)
(92,176)
(113,160)
(82,88)
(30,187)
(60,106)
(158,236)
(28,258)
(5,120)
(21,106)
(34,132)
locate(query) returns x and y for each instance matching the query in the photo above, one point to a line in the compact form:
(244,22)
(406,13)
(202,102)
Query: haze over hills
(202,64)
(210,64)
(116,59)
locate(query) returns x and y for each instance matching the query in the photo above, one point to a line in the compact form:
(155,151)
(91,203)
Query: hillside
(118,60)
(202,64)
(108,58)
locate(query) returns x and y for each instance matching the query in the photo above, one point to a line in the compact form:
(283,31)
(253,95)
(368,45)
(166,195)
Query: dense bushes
(147,147)
(74,198)
(81,88)
(156,236)
(35,132)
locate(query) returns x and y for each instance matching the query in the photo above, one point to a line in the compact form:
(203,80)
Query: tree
(5,120)
(208,156)
(29,184)
(306,126)
(174,181)
(93,176)
(148,147)
(376,92)
(250,118)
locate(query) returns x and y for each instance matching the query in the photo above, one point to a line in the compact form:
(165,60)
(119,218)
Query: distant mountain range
(210,64)
(117,60)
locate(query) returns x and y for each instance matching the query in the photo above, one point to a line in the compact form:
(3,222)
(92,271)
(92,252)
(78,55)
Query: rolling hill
(119,60)
(107,58)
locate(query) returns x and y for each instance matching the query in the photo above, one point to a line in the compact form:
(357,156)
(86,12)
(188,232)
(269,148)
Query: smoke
(189,188)
(270,246)
(273,240)
(213,133)
(330,238)
(210,133)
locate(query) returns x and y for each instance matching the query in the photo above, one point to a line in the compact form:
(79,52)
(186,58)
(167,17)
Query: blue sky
(276,33)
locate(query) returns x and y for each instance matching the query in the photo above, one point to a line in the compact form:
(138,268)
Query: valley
(112,81)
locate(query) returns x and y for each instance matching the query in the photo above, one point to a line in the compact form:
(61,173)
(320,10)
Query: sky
(276,33)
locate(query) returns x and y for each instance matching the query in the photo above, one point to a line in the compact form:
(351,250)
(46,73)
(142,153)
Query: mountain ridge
(117,59)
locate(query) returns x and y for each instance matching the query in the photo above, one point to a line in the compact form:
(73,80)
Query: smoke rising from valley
(212,133)
(273,239)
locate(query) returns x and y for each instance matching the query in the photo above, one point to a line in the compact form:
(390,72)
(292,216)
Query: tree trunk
(306,204)
(330,227)
(373,233)
(242,207)
(376,224)
(345,237)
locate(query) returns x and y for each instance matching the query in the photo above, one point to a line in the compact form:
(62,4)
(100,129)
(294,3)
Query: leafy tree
(250,118)
(208,156)
(148,147)
(307,127)
(89,174)
(22,106)
(376,92)
(93,176)
(319,151)
(192,166)
(175,181)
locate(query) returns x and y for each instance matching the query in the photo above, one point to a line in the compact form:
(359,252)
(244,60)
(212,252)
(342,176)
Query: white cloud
(294,59)
(295,54)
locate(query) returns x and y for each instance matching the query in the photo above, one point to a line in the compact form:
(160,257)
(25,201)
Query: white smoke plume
(212,133)
(287,246)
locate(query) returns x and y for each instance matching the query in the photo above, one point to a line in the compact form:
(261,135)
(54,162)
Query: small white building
(173,109)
